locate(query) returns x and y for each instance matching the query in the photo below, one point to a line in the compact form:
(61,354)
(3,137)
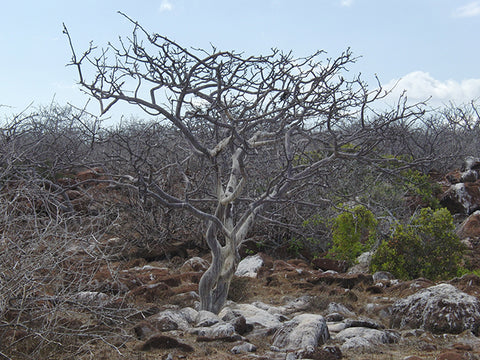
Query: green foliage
(427,247)
(396,161)
(420,185)
(354,231)
(414,183)
(295,246)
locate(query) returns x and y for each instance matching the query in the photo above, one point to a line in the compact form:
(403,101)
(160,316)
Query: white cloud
(469,10)
(346,3)
(166,5)
(421,85)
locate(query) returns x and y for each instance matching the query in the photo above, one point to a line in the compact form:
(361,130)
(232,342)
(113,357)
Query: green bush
(353,232)
(421,186)
(427,247)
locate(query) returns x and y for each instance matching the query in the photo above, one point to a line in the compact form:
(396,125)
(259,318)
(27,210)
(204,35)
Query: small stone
(243,348)
(91,297)
(334,317)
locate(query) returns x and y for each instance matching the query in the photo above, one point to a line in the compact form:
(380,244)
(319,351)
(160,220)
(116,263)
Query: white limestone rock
(91,297)
(169,320)
(340,309)
(249,266)
(439,309)
(303,332)
(255,315)
(217,331)
(243,348)
(364,339)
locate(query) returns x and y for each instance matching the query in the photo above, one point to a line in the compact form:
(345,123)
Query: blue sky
(432,45)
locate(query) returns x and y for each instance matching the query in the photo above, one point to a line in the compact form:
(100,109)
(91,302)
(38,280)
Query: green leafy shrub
(353,232)
(295,246)
(427,247)
(421,186)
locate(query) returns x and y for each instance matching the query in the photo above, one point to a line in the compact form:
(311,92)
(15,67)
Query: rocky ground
(290,310)
(277,308)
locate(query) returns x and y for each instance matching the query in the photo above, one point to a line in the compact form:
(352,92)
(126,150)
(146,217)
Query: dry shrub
(48,259)
(241,289)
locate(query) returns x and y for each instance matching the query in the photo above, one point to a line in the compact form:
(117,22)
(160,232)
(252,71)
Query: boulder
(254,316)
(169,320)
(469,176)
(299,304)
(335,308)
(218,331)
(363,263)
(462,198)
(365,339)
(472,163)
(303,332)
(334,317)
(438,309)
(470,228)
(249,266)
(206,319)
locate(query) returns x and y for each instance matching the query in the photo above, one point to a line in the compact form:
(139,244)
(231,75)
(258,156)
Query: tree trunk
(215,283)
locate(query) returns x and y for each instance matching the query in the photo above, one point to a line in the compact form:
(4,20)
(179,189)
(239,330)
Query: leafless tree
(261,129)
